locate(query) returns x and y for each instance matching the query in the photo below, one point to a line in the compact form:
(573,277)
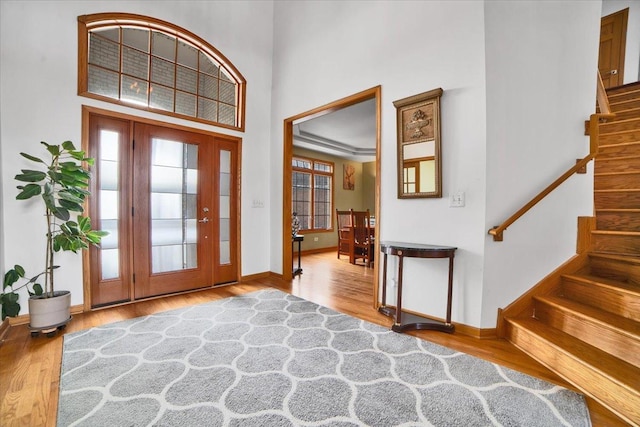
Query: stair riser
(620,400)
(605,298)
(624,164)
(617,181)
(624,105)
(614,269)
(617,200)
(619,138)
(619,150)
(618,221)
(616,244)
(623,89)
(603,337)
(619,126)
(625,95)
(627,114)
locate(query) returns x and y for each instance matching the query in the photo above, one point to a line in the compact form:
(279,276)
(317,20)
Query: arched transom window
(156,66)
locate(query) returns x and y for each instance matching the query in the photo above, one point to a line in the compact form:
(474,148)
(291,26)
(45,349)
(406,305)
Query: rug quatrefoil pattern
(272,359)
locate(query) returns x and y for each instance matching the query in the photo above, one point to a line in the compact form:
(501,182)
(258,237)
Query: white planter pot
(46,313)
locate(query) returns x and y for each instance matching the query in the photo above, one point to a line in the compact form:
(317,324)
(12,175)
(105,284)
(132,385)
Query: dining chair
(343,224)
(363,240)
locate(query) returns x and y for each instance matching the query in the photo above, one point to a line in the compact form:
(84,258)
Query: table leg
(450,290)
(384,281)
(298,270)
(399,298)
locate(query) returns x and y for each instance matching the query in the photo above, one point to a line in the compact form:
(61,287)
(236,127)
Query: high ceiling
(349,133)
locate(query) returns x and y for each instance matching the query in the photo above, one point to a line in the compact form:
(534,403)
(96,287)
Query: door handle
(204,220)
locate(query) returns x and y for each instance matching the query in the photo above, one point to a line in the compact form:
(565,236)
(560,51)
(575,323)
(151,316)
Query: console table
(406,321)
(297,238)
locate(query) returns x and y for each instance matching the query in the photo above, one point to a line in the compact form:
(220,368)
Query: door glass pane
(109,196)
(174,180)
(225,209)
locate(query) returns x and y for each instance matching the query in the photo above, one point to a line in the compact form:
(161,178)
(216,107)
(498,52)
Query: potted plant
(62,182)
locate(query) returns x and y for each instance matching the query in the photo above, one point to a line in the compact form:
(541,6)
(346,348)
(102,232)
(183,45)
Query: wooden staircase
(583,321)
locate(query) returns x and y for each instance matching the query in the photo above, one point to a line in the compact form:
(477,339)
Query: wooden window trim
(97,20)
(312,171)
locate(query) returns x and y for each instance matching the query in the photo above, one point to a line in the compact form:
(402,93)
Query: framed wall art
(349,177)
(419,147)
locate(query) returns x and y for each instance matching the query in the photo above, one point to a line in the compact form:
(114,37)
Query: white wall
(500,147)
(38,81)
(502,140)
(541,73)
(326,50)
(632,50)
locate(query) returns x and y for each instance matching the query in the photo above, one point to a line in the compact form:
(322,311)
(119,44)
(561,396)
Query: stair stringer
(550,284)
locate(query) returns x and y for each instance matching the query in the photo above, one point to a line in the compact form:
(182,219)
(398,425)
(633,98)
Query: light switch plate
(457,200)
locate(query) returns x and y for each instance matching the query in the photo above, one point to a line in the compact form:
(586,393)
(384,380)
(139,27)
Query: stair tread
(634,109)
(623,88)
(633,119)
(618,210)
(606,282)
(632,172)
(623,325)
(603,133)
(617,103)
(615,93)
(618,370)
(622,144)
(622,258)
(621,158)
(617,190)
(616,233)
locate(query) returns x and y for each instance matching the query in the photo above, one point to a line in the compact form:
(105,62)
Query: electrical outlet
(315,239)
(457,200)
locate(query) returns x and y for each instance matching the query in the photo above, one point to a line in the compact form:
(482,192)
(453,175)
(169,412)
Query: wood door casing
(613,36)
(134,278)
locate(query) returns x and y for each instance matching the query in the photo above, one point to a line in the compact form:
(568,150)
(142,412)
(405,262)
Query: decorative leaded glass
(145,65)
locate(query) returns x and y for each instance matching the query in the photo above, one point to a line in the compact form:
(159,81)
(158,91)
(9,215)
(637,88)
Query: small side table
(297,238)
(412,321)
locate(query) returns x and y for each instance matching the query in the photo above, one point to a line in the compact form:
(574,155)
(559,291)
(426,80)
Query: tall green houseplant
(62,182)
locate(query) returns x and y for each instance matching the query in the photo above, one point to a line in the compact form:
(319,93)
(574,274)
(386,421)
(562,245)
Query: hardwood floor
(30,367)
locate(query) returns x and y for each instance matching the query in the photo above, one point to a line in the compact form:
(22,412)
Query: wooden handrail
(601,96)
(594,138)
(594,134)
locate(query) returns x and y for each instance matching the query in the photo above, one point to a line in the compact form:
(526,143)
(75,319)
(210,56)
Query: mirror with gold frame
(419,158)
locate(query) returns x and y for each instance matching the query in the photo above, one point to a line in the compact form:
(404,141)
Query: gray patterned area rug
(272,359)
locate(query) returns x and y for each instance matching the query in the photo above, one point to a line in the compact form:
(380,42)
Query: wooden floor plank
(30,367)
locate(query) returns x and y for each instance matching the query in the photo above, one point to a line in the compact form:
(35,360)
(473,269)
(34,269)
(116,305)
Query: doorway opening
(290,123)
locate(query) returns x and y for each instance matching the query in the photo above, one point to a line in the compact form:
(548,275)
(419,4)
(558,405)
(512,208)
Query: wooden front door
(168,198)
(613,36)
